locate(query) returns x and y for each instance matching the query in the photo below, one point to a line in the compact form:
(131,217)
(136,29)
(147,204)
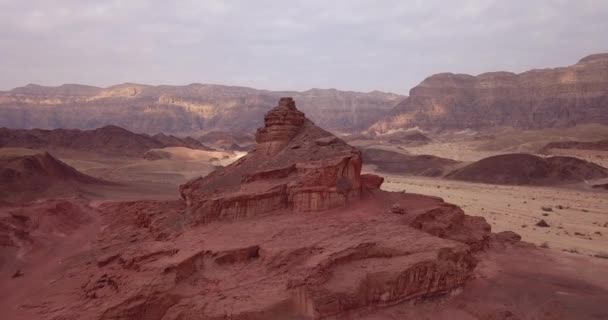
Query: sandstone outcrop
(527,169)
(534,99)
(295,165)
(183,110)
(150,262)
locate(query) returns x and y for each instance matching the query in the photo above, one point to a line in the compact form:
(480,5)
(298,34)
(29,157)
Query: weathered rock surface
(524,169)
(106,140)
(32,226)
(184,110)
(534,99)
(151,262)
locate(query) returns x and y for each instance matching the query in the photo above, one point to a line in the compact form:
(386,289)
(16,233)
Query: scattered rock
(507,236)
(326,141)
(602,255)
(372,181)
(397,209)
(107,259)
(17,274)
(548,209)
(544,245)
(542,223)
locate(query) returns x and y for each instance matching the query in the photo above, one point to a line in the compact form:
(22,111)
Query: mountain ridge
(186,110)
(533,99)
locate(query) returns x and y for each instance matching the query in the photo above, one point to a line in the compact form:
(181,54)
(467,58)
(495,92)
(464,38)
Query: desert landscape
(325,229)
(476,194)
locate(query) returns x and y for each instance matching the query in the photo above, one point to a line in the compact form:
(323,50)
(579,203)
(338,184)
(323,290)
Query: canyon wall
(184,110)
(533,99)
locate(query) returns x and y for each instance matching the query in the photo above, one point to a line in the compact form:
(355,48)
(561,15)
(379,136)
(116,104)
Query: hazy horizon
(347,45)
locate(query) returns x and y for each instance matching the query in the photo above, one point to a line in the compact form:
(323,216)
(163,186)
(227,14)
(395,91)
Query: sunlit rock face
(534,99)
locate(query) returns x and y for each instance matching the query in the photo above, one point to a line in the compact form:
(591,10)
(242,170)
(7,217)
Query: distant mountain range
(535,99)
(187,110)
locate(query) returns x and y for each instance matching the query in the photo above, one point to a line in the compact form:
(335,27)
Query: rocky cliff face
(534,99)
(181,109)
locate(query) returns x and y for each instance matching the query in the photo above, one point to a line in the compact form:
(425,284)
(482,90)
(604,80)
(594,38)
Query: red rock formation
(558,97)
(295,165)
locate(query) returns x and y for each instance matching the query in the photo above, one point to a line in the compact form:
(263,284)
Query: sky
(386,45)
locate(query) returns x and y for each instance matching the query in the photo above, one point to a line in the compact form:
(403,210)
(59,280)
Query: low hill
(399,163)
(106,140)
(527,169)
(599,145)
(26,177)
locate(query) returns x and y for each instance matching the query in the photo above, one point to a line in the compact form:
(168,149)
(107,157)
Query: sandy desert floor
(578,220)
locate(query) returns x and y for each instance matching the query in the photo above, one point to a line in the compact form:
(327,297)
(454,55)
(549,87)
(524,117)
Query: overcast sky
(388,45)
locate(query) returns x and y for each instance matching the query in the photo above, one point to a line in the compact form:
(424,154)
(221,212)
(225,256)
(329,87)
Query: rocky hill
(106,140)
(405,164)
(30,176)
(527,169)
(186,109)
(534,99)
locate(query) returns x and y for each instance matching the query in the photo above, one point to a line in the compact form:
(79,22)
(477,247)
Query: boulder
(371,181)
